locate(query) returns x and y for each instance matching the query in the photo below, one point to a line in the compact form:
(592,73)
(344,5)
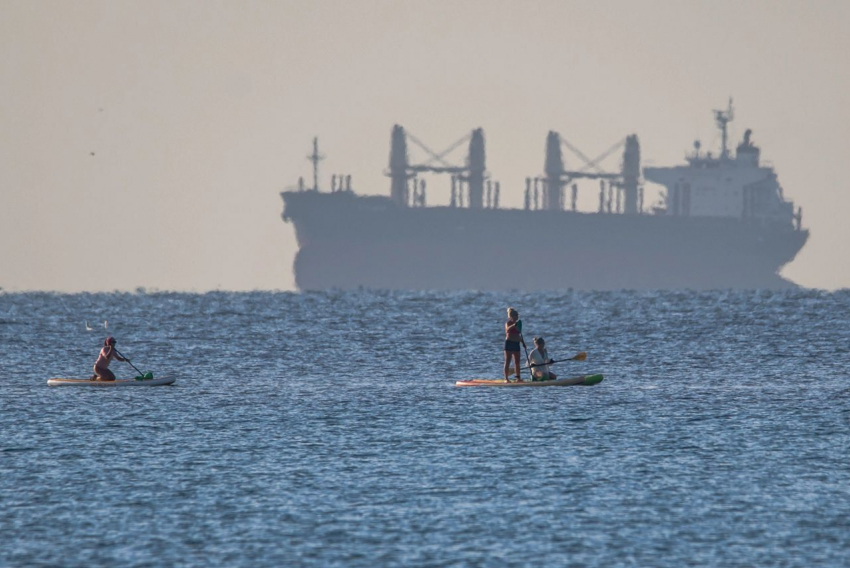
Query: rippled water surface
(325,429)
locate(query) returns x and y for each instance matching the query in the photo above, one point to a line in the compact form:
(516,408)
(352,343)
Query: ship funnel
(631,173)
(747,152)
(398,166)
(554,169)
(476,167)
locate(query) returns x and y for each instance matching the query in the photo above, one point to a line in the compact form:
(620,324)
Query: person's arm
(112,352)
(535,361)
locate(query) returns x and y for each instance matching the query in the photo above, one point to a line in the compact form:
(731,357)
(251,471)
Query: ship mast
(724,117)
(315,157)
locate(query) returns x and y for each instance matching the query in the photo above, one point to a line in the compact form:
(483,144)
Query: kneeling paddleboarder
(540,362)
(101,367)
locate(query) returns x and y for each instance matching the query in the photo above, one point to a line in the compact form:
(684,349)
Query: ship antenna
(315,157)
(724,117)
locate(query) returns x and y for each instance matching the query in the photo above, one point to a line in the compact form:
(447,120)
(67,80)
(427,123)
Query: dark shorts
(512,346)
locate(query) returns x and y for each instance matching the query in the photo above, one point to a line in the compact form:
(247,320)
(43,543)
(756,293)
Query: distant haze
(144,144)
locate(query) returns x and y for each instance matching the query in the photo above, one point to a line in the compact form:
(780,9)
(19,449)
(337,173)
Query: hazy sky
(199,113)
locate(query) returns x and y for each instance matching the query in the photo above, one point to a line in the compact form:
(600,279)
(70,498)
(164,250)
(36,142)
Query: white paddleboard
(116,383)
(582,380)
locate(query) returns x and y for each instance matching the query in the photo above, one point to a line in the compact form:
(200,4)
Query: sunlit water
(325,429)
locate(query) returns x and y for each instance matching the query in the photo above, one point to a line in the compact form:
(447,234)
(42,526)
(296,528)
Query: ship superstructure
(722,223)
(728,186)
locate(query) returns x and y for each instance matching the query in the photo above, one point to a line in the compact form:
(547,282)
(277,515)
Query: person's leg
(507,364)
(516,363)
(104,374)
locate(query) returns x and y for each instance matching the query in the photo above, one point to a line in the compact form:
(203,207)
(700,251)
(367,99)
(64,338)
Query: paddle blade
(580,357)
(148,376)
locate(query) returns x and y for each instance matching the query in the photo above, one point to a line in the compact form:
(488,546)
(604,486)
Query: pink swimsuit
(103,360)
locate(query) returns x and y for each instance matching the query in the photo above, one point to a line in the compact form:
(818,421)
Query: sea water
(325,429)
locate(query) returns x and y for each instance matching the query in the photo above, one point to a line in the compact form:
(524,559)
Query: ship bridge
(725,186)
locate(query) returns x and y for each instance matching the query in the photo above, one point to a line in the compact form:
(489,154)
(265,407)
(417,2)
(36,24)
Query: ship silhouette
(722,223)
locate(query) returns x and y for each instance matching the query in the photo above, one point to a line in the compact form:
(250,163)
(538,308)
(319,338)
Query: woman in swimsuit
(101,367)
(513,338)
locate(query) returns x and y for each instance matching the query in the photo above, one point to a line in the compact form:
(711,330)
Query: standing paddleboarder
(101,366)
(513,338)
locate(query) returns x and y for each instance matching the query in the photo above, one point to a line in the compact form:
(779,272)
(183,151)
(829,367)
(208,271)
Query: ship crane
(557,177)
(474,174)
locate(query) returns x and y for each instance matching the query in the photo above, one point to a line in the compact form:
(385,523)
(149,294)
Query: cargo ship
(722,222)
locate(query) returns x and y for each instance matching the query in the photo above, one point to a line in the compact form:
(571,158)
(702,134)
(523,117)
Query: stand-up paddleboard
(582,380)
(116,383)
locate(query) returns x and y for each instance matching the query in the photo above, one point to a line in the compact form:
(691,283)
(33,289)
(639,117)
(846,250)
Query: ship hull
(348,241)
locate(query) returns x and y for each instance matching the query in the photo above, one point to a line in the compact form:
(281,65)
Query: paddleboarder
(513,339)
(540,362)
(107,354)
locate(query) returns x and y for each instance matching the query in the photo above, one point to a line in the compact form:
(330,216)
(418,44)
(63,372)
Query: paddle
(581,356)
(142,375)
(527,360)
(578,357)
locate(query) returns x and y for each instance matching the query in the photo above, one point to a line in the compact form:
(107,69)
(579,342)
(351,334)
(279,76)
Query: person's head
(512,314)
(109,341)
(539,342)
